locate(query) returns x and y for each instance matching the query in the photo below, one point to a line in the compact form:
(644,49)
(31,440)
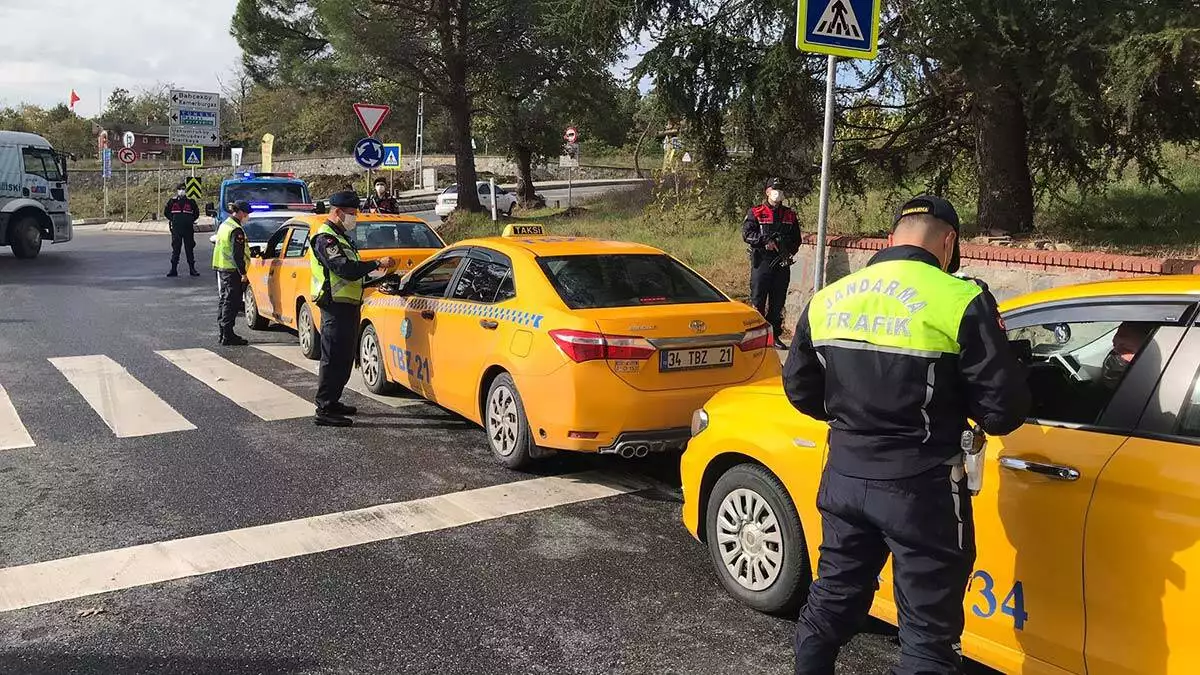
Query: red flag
(74,99)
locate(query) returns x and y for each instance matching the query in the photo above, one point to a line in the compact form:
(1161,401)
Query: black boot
(232,339)
(174,271)
(326,418)
(192,270)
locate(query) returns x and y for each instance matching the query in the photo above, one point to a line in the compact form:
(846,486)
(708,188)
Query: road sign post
(371,116)
(127,157)
(128,139)
(106,173)
(848,28)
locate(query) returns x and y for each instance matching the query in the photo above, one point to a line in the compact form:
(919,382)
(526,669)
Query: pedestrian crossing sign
(848,28)
(193,155)
(393,157)
(192,187)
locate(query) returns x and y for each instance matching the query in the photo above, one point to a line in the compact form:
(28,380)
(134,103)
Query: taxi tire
(787,593)
(311,348)
(253,319)
(522,453)
(382,386)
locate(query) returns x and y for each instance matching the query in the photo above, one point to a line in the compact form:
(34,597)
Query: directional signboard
(193,155)
(847,28)
(128,139)
(393,157)
(368,153)
(193,187)
(106,162)
(371,116)
(195,118)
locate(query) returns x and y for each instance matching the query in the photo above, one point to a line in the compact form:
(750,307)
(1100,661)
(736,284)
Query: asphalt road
(605,581)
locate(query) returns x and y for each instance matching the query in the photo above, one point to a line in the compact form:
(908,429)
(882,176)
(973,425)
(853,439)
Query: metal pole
(492,187)
(158,175)
(826,152)
(106,196)
(570,175)
(419,163)
(127,193)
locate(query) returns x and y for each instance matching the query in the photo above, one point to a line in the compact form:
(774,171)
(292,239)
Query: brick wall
(1008,270)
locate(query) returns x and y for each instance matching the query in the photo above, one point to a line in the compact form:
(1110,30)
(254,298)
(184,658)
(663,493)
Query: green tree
(119,109)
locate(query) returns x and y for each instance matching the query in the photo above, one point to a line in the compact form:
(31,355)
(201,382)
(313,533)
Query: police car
(280,276)
(561,343)
(265,220)
(1088,522)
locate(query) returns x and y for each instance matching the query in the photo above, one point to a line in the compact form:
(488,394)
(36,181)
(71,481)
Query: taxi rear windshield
(394,234)
(630,280)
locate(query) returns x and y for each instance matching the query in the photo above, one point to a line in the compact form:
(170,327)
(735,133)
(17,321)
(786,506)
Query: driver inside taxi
(1127,342)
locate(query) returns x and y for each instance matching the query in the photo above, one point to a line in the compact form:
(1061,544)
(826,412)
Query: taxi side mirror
(256,252)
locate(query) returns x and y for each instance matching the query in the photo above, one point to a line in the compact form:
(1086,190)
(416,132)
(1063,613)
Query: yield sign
(371,116)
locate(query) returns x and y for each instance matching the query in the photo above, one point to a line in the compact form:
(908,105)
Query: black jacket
(764,224)
(181,213)
(897,415)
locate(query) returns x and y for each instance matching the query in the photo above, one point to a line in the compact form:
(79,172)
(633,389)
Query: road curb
(152,227)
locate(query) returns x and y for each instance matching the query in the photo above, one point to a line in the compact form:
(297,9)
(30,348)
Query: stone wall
(1008,271)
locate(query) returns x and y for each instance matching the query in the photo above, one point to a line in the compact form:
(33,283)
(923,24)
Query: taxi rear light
(580,346)
(756,338)
(585,435)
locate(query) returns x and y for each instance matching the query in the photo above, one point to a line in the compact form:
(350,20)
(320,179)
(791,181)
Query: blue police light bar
(283,174)
(294,206)
(260,207)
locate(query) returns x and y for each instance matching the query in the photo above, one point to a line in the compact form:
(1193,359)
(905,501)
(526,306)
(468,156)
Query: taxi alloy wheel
(755,541)
(253,319)
(370,362)
(504,420)
(310,340)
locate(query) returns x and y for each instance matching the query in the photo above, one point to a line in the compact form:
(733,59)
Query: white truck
(33,194)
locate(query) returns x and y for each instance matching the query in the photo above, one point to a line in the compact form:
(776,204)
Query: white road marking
(118,569)
(291,354)
(12,432)
(127,406)
(266,400)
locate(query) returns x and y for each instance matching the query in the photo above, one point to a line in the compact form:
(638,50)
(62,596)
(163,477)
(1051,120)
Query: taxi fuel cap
(522,230)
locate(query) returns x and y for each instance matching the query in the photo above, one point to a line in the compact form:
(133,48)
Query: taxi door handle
(427,314)
(490,325)
(1048,470)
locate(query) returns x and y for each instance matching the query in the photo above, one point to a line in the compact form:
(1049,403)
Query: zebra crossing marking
(264,399)
(126,405)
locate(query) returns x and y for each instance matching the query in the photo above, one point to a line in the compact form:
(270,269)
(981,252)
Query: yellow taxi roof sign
(513,230)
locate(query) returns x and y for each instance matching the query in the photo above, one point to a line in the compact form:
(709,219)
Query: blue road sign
(393,157)
(107,160)
(368,152)
(193,155)
(847,28)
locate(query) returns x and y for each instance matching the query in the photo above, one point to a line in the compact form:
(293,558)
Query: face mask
(349,220)
(379,190)
(1113,368)
(774,196)
(179,193)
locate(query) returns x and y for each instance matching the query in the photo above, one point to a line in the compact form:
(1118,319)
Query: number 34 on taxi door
(1013,604)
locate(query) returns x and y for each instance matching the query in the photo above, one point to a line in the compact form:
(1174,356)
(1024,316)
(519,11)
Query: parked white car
(447,201)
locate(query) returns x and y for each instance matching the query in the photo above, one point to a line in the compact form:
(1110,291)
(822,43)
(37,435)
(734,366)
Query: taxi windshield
(625,280)
(260,228)
(379,234)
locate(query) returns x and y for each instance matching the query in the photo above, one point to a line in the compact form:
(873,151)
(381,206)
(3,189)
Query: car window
(259,228)
(433,280)
(592,281)
(370,235)
(453,189)
(485,189)
(41,162)
(266,193)
(1076,367)
(274,243)
(484,281)
(296,243)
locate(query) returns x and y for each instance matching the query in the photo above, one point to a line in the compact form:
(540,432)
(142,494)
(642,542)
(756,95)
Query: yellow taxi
(561,343)
(280,280)
(1088,524)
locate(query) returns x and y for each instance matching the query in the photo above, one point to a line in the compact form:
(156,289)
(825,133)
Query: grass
(717,252)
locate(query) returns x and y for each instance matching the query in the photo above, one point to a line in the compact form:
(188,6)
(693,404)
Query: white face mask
(774,196)
(179,193)
(349,220)
(379,190)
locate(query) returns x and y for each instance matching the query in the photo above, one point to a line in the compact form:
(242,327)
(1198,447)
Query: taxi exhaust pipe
(641,451)
(626,451)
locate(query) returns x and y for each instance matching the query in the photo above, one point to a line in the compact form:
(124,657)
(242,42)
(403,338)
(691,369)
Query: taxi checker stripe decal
(516,316)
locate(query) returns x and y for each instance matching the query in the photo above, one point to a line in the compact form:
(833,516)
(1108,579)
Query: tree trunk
(637,150)
(526,193)
(1002,154)
(464,154)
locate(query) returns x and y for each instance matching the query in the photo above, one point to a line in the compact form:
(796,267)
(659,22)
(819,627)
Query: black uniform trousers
(926,523)
(339,336)
(229,298)
(769,287)
(185,238)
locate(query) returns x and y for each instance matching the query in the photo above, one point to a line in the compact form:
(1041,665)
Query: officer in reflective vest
(230,258)
(897,357)
(772,232)
(337,289)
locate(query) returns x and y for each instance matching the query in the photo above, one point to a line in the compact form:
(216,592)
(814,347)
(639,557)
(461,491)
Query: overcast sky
(96,45)
(93,46)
